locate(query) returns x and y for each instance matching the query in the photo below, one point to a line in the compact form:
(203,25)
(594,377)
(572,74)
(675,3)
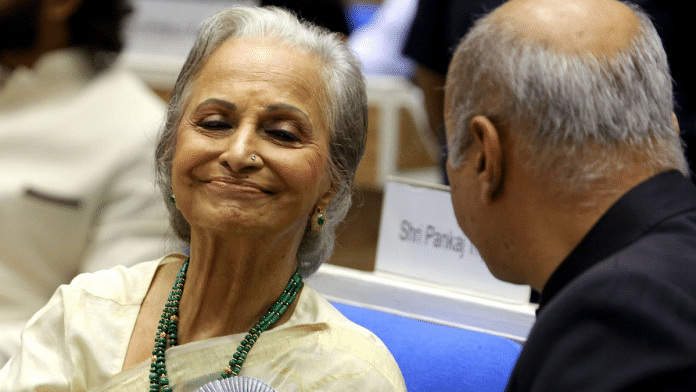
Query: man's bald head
(572,26)
(582,86)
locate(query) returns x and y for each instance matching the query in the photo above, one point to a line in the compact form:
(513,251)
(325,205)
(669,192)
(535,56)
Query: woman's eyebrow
(287,107)
(220,102)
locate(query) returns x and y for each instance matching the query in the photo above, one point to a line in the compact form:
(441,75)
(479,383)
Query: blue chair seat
(435,357)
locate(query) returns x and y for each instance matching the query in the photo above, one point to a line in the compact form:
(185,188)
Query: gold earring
(318,220)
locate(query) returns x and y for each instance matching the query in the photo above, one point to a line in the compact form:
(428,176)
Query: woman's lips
(235,188)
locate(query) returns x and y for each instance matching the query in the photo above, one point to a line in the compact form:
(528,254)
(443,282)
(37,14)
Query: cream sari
(78,342)
(309,357)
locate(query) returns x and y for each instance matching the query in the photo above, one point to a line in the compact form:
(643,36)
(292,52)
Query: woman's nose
(241,150)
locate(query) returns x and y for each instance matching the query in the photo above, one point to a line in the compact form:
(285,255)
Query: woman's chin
(223,228)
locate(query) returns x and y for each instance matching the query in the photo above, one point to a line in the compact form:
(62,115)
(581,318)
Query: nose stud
(253,157)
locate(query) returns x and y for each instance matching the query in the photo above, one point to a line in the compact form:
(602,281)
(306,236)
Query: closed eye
(283,135)
(215,125)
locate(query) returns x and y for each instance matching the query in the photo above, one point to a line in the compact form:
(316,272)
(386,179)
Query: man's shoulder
(651,280)
(663,257)
(623,323)
(129,99)
(658,269)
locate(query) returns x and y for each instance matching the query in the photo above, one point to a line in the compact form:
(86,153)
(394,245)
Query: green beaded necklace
(168,328)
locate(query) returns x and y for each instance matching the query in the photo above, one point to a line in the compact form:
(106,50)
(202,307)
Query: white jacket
(76,190)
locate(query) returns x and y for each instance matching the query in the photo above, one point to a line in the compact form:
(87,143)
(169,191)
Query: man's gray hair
(578,117)
(345,110)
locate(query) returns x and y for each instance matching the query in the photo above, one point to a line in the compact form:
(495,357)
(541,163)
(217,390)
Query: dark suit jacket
(437,28)
(619,313)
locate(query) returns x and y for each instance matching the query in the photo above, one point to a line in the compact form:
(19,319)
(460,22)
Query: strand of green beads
(167,331)
(277,309)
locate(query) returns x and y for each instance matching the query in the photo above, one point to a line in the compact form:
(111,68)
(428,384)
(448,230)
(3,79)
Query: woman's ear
(489,160)
(325,199)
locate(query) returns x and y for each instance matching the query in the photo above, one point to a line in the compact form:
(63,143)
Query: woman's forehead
(264,69)
(261,59)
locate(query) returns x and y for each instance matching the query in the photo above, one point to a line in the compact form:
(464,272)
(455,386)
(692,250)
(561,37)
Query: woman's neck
(231,283)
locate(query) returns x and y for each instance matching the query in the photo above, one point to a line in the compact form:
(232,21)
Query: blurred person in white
(76,152)
(380,42)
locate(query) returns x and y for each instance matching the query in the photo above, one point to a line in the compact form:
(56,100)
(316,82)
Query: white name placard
(419,237)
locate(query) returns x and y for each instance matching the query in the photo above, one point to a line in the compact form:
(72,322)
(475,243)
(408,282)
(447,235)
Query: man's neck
(552,225)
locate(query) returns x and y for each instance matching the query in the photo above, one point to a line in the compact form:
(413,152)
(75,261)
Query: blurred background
(405,96)
(404,46)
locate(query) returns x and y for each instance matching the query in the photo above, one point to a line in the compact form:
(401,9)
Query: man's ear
(489,160)
(675,123)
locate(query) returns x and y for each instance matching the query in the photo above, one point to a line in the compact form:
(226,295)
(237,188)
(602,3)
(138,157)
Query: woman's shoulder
(120,284)
(88,320)
(313,309)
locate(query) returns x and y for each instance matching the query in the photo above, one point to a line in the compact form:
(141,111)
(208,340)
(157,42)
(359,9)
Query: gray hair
(587,116)
(345,112)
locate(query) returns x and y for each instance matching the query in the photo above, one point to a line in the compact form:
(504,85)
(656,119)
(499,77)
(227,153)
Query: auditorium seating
(435,357)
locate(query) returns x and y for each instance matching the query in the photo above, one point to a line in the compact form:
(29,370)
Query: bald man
(567,173)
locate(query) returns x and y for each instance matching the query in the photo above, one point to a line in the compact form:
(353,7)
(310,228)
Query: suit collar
(631,217)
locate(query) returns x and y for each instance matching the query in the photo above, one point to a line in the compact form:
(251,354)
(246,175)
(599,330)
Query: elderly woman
(263,136)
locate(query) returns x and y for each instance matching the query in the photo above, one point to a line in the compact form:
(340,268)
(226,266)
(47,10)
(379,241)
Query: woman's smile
(233,188)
